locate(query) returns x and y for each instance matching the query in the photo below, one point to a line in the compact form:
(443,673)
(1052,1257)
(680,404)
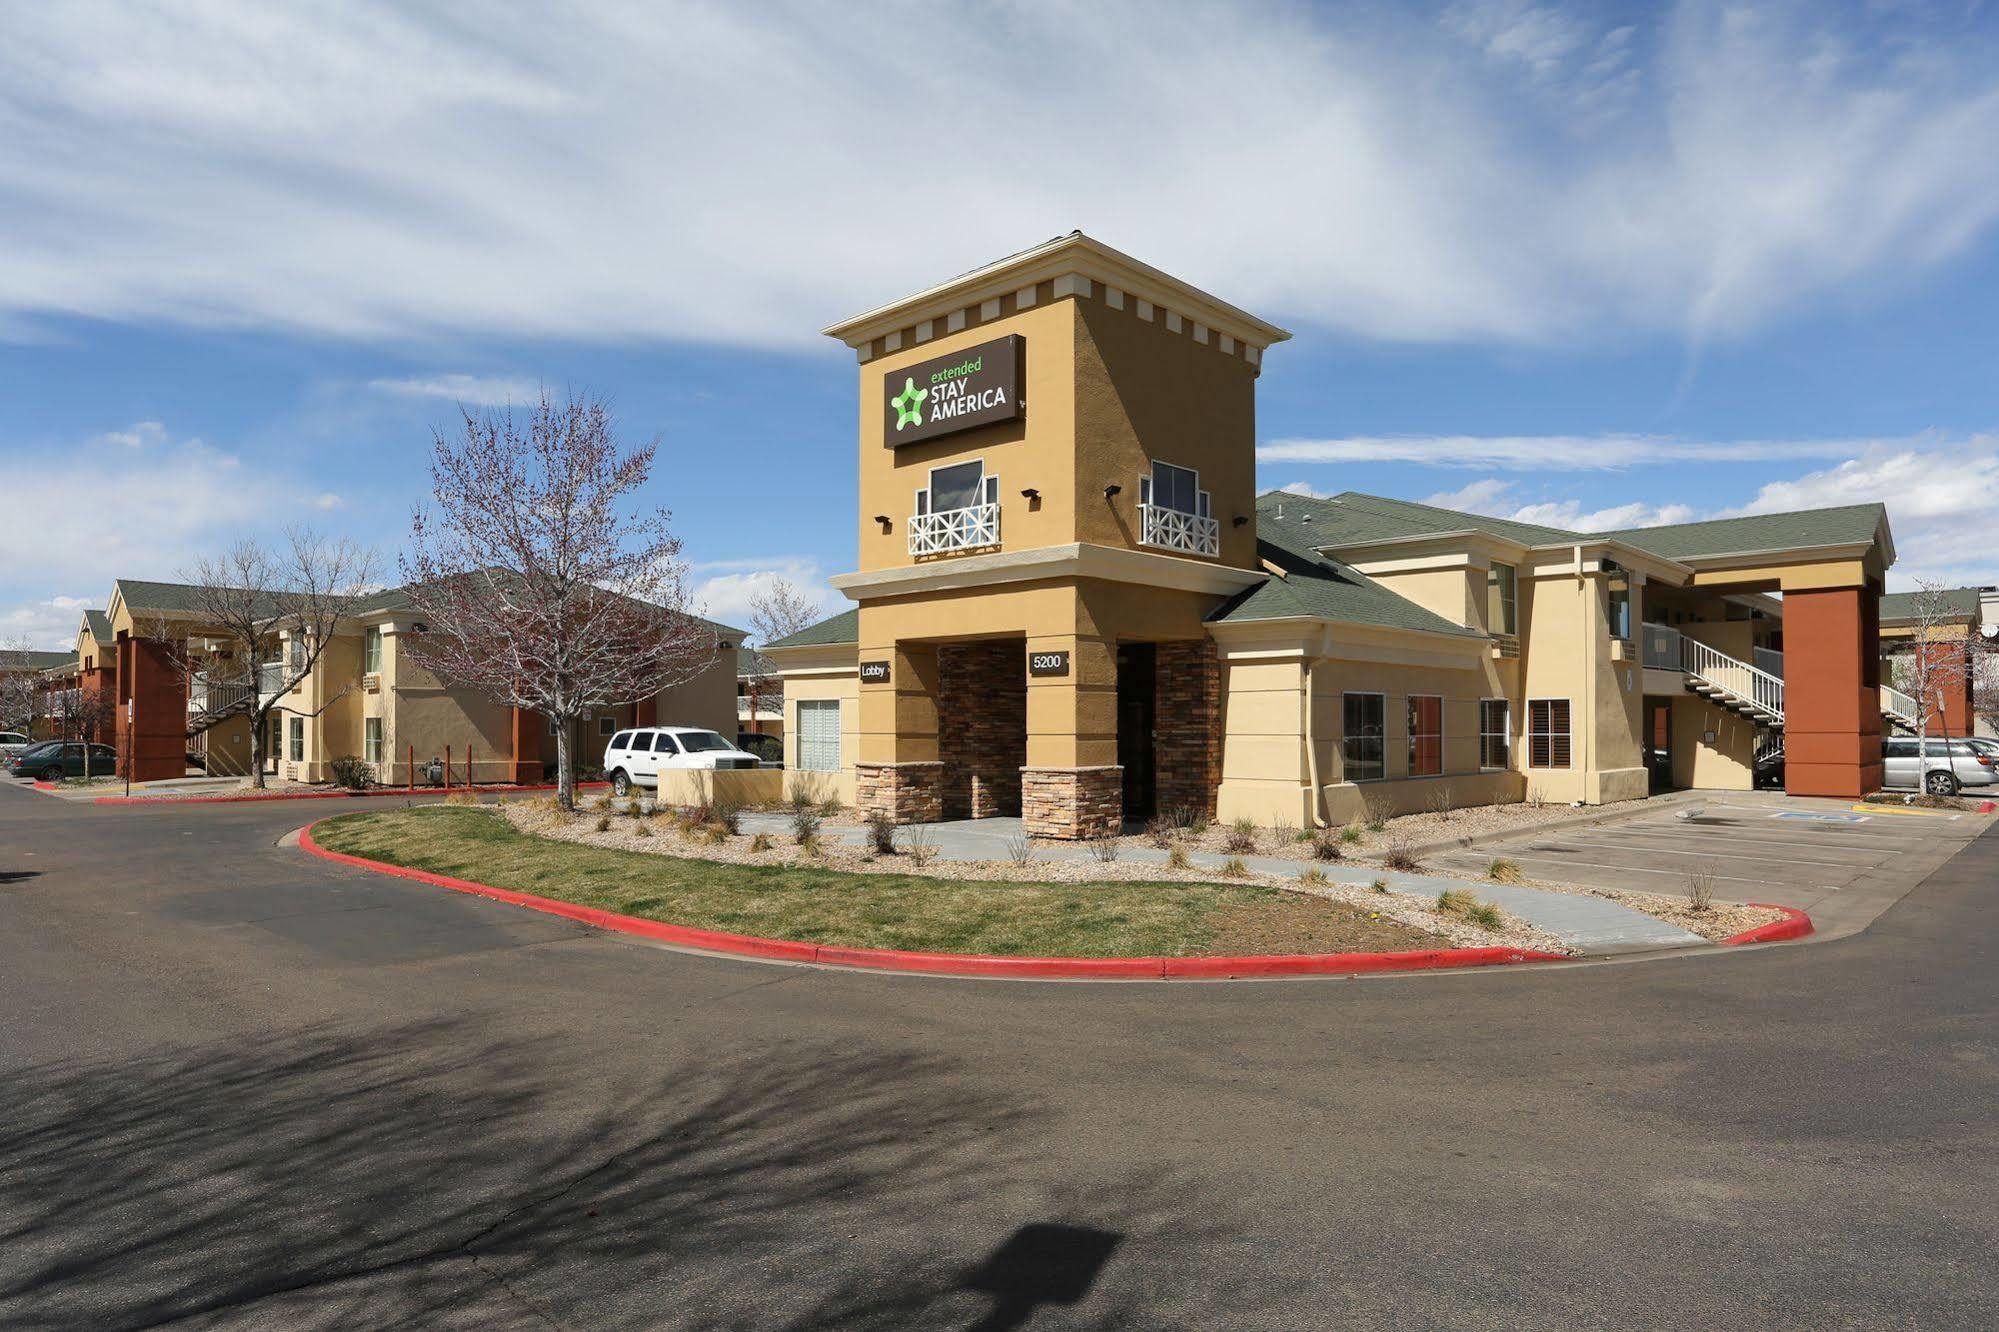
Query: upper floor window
(1500,585)
(371,651)
(1620,609)
(1173,511)
(959,510)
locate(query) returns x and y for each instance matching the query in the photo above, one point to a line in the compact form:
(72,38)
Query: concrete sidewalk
(1591,925)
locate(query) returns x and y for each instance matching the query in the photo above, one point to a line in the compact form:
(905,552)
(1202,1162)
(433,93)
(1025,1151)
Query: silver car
(1947,765)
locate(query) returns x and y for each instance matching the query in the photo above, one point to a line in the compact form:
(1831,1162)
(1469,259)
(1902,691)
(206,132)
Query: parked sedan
(54,760)
(636,758)
(13,742)
(1945,767)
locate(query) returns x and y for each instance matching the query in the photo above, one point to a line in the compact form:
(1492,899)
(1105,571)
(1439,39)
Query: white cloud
(49,625)
(470,390)
(138,435)
(328,500)
(1487,495)
(1564,453)
(682,171)
(725,589)
(1496,498)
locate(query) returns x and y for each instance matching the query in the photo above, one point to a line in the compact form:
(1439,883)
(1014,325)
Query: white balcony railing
(1896,704)
(205,696)
(1757,687)
(1661,647)
(1172,529)
(270,677)
(954,529)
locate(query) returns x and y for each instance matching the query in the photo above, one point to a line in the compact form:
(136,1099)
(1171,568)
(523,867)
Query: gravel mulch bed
(666,837)
(1722,920)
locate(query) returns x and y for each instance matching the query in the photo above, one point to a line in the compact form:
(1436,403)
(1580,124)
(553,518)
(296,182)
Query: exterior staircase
(1898,709)
(210,703)
(1744,689)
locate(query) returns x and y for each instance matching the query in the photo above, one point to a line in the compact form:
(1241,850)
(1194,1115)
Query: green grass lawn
(872,910)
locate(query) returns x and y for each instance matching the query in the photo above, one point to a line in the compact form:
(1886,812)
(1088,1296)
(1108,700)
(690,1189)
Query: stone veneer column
(1072,803)
(982,726)
(906,792)
(1187,746)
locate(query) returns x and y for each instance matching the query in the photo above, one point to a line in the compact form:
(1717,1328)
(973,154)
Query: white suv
(636,758)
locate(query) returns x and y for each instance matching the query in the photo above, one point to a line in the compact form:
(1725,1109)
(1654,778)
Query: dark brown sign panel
(974,387)
(1048,663)
(874,672)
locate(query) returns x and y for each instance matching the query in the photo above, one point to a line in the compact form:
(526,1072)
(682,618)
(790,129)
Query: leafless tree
(1943,658)
(20,688)
(540,582)
(778,611)
(241,603)
(78,714)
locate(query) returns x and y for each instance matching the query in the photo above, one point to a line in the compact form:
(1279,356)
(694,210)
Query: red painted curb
(958,964)
(332,795)
(1795,925)
(1985,807)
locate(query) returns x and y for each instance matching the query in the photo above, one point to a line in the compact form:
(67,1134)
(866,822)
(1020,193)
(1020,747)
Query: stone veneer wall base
(1073,804)
(906,792)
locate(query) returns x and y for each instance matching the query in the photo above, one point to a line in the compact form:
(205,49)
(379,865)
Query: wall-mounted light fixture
(1031,494)
(1240,519)
(887,526)
(1111,490)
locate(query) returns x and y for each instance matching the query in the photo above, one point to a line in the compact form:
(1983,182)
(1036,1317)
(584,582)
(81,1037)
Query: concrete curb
(1651,805)
(958,964)
(335,795)
(1795,925)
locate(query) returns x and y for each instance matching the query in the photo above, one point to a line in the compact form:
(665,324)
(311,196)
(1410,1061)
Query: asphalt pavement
(242,1087)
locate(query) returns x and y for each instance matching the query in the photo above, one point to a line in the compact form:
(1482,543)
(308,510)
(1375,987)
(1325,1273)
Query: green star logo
(908,404)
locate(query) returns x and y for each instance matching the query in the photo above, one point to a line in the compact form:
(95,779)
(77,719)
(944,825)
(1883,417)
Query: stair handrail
(1755,686)
(1898,704)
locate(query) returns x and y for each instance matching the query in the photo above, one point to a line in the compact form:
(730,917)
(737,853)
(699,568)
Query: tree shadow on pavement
(431,1174)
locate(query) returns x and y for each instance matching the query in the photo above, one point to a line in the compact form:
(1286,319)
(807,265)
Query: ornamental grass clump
(1315,877)
(761,842)
(1352,833)
(1020,850)
(1503,870)
(1457,902)
(1326,845)
(603,823)
(1234,868)
(1700,890)
(1379,885)
(641,829)
(1240,839)
(1399,857)
(1176,858)
(1161,831)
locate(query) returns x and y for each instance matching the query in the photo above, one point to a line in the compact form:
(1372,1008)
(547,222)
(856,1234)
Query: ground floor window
(371,739)
(606,725)
(1426,735)
(298,739)
(1495,733)
(1365,723)
(818,723)
(1548,733)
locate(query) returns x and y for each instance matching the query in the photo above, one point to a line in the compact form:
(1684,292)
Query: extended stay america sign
(974,387)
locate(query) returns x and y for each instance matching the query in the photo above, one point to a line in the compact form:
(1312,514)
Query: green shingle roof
(842,628)
(100,625)
(35,661)
(1957,601)
(1849,524)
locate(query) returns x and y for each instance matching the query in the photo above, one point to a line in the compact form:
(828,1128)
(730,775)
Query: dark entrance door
(1659,743)
(1137,720)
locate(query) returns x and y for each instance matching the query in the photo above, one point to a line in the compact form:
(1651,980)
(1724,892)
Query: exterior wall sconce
(1240,519)
(887,526)
(1111,490)
(1030,494)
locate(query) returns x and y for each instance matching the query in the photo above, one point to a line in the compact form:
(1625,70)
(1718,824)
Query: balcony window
(1173,512)
(1500,585)
(1620,609)
(959,510)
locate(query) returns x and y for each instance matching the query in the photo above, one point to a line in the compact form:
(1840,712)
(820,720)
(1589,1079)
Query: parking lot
(1843,865)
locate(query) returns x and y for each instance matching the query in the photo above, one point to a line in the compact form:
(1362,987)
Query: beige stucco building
(1072,605)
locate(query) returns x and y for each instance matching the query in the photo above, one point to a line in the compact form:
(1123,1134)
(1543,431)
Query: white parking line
(1720,855)
(1758,837)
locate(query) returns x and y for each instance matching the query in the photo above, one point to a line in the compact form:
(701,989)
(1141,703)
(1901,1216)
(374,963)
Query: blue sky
(1597,265)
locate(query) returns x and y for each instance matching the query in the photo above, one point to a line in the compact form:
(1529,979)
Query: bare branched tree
(778,611)
(240,604)
(1943,658)
(540,582)
(20,688)
(77,714)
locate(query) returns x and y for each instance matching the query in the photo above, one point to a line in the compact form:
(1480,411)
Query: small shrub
(642,829)
(1700,890)
(601,802)
(351,773)
(1398,857)
(810,845)
(1314,876)
(1442,802)
(714,834)
(1020,850)
(1160,831)
(1104,849)
(829,807)
(1197,825)
(881,832)
(1379,885)
(919,846)
(1352,833)
(1379,809)
(603,823)
(805,821)
(1502,870)
(727,811)
(636,808)
(1326,845)
(1282,830)
(761,842)
(1234,868)
(1177,858)
(1240,839)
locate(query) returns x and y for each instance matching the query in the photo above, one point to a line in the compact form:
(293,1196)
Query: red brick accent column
(1832,692)
(525,728)
(982,727)
(1951,669)
(153,746)
(906,792)
(1187,745)
(646,713)
(1072,803)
